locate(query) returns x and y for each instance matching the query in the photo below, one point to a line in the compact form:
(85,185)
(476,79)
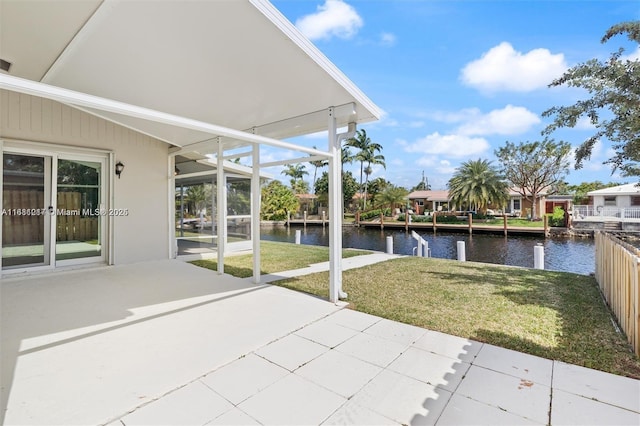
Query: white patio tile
(519,396)
(353,319)
(292,401)
(244,377)
(340,373)
(291,351)
(194,404)
(326,333)
(356,415)
(403,399)
(451,346)
(436,370)
(615,390)
(465,411)
(570,409)
(396,331)
(373,349)
(516,364)
(233,417)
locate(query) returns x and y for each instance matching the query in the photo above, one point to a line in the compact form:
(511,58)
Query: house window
(516,204)
(421,203)
(635,200)
(610,201)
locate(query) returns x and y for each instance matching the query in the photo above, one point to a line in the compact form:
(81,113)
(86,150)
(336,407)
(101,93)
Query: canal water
(561,254)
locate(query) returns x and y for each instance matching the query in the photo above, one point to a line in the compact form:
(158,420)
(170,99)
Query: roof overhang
(239,64)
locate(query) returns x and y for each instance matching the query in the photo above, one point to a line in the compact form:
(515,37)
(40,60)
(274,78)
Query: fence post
(389,245)
(505,224)
(305,218)
(470,223)
(546,226)
(462,255)
(406,220)
(298,233)
(381,220)
(324,217)
(434,220)
(538,256)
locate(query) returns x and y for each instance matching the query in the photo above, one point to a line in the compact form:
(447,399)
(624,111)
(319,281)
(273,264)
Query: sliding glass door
(79,209)
(26,197)
(53,209)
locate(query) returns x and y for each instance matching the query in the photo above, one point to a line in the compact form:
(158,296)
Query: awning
(239,64)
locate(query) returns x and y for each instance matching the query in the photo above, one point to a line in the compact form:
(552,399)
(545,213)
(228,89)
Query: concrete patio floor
(170,343)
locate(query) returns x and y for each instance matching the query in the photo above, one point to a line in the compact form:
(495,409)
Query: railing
(606,212)
(618,276)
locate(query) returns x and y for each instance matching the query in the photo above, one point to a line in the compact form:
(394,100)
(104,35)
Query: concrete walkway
(171,343)
(348,263)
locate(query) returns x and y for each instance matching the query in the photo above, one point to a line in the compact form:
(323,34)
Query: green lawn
(554,315)
(276,257)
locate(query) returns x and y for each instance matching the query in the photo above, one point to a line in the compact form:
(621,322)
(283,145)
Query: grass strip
(554,315)
(276,257)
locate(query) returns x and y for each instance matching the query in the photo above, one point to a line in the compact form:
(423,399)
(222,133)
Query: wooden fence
(618,275)
(29,229)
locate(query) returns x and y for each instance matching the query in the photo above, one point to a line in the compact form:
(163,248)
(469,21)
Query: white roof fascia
(71,97)
(293,161)
(627,189)
(280,21)
(344,113)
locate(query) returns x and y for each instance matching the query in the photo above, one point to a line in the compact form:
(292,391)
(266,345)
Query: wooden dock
(469,227)
(444,227)
(464,228)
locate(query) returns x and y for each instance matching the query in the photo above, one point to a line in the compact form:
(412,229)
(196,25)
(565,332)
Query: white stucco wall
(142,189)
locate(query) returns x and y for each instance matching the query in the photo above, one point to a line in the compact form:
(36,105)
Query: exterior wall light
(119,168)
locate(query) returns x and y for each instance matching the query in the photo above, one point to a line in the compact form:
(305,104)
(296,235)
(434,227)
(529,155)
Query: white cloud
(511,120)
(584,123)
(633,56)
(449,145)
(388,39)
(334,18)
(435,166)
(504,68)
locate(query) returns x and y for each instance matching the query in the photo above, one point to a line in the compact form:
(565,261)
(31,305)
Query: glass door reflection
(26,222)
(78,219)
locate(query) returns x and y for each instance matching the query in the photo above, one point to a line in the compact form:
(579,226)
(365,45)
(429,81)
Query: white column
(462,255)
(538,256)
(335,215)
(221,207)
(171,206)
(255,211)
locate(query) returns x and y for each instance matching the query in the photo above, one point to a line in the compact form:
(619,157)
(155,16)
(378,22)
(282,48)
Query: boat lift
(423,249)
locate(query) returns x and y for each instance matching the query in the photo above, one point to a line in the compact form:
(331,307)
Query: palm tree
(393,196)
(363,144)
(296,172)
(476,184)
(318,164)
(366,152)
(371,158)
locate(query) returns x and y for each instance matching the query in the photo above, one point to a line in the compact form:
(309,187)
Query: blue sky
(456,79)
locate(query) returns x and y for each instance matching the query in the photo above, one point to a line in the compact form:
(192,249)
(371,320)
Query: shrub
(372,214)
(557,217)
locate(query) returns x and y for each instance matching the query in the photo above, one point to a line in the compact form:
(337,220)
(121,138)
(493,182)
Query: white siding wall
(598,200)
(623,201)
(143,186)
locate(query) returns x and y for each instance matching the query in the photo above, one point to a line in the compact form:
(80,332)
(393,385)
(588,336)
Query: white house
(109,109)
(627,195)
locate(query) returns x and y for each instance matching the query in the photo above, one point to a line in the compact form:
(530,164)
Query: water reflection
(566,254)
